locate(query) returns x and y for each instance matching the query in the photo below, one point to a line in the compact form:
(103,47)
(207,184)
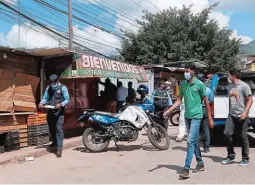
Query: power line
(115,12)
(45,27)
(139,5)
(104,18)
(79,19)
(63,30)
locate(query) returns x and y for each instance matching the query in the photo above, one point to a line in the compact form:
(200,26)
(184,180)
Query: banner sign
(91,66)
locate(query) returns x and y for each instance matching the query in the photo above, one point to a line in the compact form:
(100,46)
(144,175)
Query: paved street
(136,162)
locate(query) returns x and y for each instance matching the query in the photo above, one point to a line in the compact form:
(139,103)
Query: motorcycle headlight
(84,112)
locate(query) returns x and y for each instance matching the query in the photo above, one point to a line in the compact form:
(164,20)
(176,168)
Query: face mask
(187,76)
(54,86)
(230,80)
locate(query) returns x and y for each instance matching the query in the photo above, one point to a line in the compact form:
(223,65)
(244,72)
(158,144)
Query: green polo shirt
(193,98)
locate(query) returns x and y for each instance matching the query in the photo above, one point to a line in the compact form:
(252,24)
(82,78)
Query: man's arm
(66,96)
(249,99)
(174,106)
(102,83)
(208,108)
(45,97)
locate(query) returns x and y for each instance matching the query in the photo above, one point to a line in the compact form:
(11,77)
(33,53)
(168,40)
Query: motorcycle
(122,126)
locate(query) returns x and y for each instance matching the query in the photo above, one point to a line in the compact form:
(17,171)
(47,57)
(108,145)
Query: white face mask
(230,80)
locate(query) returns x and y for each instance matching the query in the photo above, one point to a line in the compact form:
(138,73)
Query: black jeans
(56,124)
(234,124)
(205,130)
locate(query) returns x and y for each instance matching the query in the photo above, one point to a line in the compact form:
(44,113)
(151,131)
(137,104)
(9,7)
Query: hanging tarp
(91,66)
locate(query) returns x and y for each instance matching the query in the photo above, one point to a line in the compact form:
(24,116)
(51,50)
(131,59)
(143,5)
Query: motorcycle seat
(115,115)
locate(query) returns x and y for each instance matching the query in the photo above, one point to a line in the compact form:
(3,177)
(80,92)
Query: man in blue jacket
(204,121)
(56,95)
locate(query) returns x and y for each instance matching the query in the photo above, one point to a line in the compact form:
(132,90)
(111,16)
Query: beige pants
(182,126)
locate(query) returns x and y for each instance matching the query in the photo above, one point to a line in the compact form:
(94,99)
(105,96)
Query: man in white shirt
(122,94)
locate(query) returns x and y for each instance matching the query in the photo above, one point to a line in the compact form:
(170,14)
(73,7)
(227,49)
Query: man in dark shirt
(131,93)
(110,95)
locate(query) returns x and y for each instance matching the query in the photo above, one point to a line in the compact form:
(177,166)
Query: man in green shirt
(194,93)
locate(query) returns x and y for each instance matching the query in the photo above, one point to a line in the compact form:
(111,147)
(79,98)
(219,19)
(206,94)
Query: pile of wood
(37,119)
(15,123)
(17,91)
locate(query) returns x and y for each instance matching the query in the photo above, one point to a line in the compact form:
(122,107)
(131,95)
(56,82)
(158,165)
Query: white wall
(150,83)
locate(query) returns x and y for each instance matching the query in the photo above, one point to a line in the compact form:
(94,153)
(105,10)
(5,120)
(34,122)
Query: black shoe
(184,174)
(199,168)
(206,150)
(52,145)
(59,153)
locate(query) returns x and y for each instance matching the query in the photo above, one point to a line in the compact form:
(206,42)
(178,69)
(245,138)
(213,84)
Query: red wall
(83,94)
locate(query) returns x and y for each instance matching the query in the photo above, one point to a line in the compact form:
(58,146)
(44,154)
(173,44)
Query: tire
(86,141)
(153,140)
(174,118)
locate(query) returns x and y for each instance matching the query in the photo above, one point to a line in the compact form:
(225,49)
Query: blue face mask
(54,86)
(187,76)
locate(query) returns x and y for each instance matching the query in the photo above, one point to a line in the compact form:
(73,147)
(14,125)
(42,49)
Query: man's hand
(166,113)
(40,106)
(243,115)
(58,106)
(211,123)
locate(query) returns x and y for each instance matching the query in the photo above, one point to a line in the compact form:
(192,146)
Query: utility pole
(70,25)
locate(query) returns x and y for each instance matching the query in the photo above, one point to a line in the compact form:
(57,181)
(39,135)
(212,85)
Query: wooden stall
(19,80)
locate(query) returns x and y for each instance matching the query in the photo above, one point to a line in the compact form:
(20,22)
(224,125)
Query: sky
(112,15)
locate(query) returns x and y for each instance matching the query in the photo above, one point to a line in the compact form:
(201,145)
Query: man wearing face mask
(194,93)
(56,95)
(240,102)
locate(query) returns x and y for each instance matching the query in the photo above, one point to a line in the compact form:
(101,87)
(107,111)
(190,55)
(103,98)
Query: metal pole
(70,25)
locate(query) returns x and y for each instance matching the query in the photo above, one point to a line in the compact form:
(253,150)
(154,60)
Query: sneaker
(199,168)
(184,174)
(244,162)
(179,139)
(227,161)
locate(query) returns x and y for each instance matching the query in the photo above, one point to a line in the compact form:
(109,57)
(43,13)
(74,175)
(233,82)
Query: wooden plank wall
(20,63)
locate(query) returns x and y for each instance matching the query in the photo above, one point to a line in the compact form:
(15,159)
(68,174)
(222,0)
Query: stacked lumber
(25,90)
(37,119)
(15,123)
(17,91)
(6,90)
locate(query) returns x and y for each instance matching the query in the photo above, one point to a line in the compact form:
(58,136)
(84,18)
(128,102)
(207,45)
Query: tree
(173,35)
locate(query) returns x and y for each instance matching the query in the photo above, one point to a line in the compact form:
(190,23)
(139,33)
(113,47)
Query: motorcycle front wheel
(92,142)
(174,118)
(158,136)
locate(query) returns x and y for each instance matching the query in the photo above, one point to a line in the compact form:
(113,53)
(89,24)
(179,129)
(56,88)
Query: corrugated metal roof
(49,52)
(181,64)
(37,52)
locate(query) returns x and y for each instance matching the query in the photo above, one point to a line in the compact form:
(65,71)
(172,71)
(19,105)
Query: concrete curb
(19,156)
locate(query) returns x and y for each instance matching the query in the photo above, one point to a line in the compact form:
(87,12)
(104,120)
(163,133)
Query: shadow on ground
(170,167)
(122,148)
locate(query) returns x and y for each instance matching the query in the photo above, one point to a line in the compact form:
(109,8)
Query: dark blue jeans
(193,128)
(56,124)
(205,130)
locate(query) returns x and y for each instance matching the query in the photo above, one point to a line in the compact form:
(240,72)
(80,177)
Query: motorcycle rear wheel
(87,140)
(156,138)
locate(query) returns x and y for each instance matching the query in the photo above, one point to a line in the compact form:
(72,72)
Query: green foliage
(174,35)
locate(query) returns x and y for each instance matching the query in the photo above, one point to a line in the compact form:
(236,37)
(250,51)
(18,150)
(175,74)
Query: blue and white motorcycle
(123,126)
